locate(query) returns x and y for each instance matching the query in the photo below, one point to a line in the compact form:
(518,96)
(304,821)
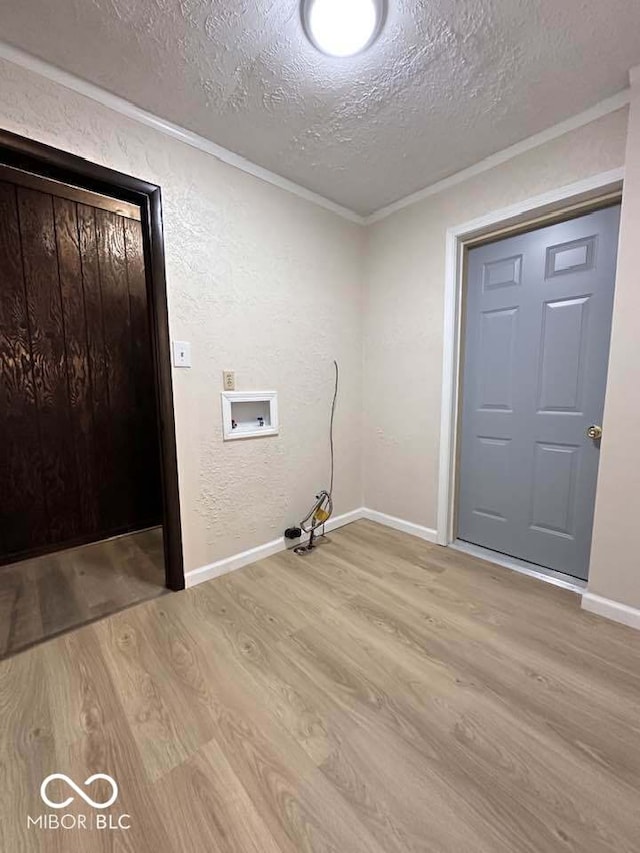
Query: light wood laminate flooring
(381,694)
(45,596)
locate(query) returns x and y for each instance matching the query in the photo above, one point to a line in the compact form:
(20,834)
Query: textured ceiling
(448,83)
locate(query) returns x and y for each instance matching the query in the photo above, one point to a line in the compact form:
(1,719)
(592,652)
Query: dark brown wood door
(79,456)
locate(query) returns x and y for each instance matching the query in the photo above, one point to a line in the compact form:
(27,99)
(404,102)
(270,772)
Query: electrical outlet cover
(229,380)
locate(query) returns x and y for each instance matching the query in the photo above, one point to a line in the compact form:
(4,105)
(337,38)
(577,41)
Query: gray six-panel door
(536,348)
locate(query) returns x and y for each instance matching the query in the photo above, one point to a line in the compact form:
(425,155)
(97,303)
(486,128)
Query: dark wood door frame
(39,159)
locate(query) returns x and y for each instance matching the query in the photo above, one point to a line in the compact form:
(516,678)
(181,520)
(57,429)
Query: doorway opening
(89,512)
(529,303)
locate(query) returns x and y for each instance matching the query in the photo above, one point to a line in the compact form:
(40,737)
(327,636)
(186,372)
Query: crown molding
(609,105)
(25,60)
(126,108)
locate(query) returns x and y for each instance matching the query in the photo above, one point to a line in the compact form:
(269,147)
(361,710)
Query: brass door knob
(594,432)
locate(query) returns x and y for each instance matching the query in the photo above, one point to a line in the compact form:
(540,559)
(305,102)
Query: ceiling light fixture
(343,27)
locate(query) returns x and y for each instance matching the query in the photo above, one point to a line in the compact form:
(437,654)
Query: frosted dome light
(342,27)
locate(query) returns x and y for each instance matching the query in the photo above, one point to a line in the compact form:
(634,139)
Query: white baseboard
(245,558)
(426,533)
(611,609)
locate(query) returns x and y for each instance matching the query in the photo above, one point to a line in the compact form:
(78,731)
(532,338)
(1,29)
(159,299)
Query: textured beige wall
(273,287)
(261,282)
(615,556)
(405,268)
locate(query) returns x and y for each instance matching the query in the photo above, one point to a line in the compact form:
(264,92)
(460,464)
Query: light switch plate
(181,354)
(229,380)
